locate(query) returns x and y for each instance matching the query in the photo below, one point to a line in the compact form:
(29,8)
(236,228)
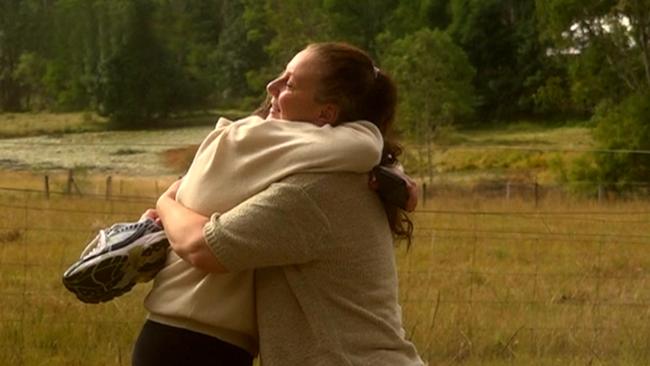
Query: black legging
(162,345)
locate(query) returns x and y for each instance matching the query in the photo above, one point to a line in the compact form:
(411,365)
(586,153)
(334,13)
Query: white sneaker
(116,260)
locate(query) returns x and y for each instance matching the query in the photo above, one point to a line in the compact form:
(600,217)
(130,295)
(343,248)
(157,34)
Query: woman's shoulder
(316,182)
(335,191)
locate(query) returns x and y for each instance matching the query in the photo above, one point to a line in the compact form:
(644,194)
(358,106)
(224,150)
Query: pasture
(490,279)
(486,281)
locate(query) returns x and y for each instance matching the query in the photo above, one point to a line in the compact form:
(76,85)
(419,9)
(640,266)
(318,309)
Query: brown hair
(351,80)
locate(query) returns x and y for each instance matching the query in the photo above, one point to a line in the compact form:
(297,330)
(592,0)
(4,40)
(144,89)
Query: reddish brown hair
(352,81)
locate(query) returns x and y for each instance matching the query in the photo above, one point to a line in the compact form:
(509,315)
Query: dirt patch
(179,159)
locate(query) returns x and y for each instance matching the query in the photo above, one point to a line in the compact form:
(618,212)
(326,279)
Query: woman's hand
(410,200)
(414,193)
(172,190)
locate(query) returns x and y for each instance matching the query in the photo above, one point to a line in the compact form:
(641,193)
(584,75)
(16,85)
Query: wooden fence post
(109,187)
(424,194)
(72,183)
(600,193)
(47,186)
(68,188)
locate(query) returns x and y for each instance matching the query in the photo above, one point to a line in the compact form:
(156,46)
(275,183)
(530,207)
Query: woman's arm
(184,229)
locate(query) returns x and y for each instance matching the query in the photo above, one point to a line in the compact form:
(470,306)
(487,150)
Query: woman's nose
(272,87)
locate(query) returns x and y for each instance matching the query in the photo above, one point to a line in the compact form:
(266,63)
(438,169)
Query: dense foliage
(459,61)
(138,60)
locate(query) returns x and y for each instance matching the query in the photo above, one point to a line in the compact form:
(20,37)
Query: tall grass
(30,124)
(486,282)
(491,282)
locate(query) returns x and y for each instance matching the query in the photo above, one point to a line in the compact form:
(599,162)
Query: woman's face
(293,92)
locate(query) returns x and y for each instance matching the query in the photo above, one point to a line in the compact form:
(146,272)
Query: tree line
(456,61)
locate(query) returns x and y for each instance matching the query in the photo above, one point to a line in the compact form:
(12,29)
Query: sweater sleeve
(304,147)
(279,226)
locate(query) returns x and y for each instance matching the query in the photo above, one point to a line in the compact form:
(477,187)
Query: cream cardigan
(234,162)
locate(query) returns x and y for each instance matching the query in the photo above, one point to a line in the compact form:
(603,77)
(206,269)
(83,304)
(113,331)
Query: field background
(498,274)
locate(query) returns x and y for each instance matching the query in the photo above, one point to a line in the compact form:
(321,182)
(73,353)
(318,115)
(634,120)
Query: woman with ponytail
(320,243)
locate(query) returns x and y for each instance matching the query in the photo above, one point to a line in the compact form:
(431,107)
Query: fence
(490,278)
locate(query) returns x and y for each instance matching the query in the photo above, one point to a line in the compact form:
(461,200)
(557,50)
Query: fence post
(508,190)
(72,183)
(47,186)
(424,194)
(68,188)
(600,193)
(536,189)
(109,187)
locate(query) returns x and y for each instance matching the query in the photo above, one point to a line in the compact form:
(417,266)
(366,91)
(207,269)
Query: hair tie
(376,71)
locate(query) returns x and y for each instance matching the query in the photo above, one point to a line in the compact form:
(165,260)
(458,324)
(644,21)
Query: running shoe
(116,260)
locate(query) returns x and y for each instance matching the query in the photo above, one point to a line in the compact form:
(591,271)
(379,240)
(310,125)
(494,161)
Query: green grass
(14,125)
(31,124)
(486,282)
(517,152)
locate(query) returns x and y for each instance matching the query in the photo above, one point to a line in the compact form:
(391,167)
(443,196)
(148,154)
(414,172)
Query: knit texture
(236,161)
(325,277)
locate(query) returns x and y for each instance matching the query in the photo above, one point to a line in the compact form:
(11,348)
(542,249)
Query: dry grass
(515,152)
(486,282)
(30,124)
(565,283)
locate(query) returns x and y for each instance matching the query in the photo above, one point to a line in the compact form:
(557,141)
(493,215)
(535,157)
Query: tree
(191,33)
(240,53)
(22,24)
(30,71)
(288,26)
(358,22)
(621,129)
(141,81)
(80,36)
(434,77)
(500,38)
(411,16)
(607,44)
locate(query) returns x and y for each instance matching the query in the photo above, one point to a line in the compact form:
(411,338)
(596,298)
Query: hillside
(515,152)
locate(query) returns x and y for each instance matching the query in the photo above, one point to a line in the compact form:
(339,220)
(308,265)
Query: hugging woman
(301,268)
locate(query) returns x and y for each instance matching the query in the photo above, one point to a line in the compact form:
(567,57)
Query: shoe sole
(114,273)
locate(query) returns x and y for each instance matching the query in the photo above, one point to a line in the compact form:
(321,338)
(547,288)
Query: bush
(620,130)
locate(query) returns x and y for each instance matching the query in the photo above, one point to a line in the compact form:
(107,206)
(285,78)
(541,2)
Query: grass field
(486,282)
(517,152)
(31,124)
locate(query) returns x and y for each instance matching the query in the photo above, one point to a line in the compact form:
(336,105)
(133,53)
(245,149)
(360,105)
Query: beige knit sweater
(325,273)
(234,162)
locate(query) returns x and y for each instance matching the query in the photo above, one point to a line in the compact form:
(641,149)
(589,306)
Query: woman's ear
(329,114)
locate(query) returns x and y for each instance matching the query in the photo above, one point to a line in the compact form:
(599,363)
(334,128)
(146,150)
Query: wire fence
(488,278)
(500,271)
